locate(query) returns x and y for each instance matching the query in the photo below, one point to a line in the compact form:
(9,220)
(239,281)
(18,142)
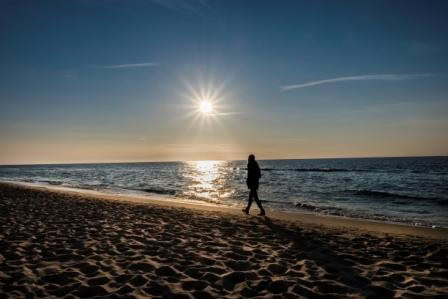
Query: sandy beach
(56,243)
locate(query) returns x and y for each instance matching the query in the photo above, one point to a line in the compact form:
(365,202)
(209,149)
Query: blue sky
(84,81)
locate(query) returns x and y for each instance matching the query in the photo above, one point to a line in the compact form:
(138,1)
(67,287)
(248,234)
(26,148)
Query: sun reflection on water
(207,180)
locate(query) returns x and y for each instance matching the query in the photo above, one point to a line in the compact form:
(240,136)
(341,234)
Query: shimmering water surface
(407,190)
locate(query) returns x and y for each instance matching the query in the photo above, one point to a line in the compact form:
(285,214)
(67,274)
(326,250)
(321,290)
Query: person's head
(251,158)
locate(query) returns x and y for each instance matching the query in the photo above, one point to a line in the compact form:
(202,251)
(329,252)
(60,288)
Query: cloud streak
(125,66)
(184,6)
(380,77)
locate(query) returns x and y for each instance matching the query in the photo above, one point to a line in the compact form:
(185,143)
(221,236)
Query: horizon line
(184,161)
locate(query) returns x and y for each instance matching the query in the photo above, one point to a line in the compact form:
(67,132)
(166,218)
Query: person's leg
(257,200)
(249,203)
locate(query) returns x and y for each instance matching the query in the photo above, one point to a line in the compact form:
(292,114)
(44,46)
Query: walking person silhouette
(252,181)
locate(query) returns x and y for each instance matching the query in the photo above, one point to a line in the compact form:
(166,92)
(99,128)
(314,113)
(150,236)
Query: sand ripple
(54,244)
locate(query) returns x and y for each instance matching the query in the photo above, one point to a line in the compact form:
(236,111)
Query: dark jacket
(253,175)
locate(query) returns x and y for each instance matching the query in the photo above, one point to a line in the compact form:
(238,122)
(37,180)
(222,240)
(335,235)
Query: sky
(112,80)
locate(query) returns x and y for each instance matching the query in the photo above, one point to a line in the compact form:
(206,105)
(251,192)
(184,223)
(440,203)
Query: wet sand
(61,243)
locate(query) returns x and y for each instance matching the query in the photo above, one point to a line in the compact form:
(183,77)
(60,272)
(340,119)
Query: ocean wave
(158,191)
(95,187)
(56,183)
(323,169)
(273,201)
(307,207)
(334,211)
(311,169)
(49,182)
(383,194)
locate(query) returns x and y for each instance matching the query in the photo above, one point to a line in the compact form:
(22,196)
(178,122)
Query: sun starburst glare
(206,107)
(206,102)
(209,103)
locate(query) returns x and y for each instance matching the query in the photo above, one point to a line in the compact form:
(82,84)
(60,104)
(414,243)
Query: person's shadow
(312,245)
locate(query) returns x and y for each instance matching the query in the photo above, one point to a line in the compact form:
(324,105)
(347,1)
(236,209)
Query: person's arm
(248,176)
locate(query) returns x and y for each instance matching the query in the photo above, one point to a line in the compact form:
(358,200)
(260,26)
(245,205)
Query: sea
(411,190)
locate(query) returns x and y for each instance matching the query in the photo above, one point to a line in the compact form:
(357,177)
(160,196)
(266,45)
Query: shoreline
(368,225)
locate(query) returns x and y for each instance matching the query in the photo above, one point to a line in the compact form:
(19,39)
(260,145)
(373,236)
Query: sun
(205,107)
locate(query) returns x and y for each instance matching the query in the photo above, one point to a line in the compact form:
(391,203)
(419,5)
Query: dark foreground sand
(65,244)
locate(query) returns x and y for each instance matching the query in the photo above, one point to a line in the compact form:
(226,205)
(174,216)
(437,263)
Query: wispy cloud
(125,66)
(184,6)
(380,77)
